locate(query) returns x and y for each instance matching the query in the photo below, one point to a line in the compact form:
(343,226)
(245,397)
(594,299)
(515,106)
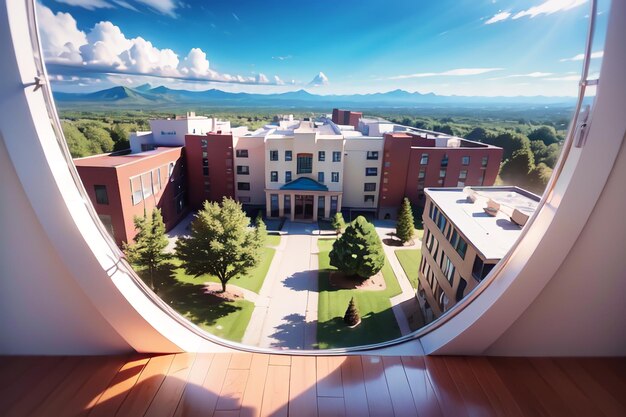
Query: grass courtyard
(185,294)
(378,321)
(410,261)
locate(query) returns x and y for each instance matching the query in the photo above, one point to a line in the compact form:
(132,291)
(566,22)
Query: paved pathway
(285,314)
(384,228)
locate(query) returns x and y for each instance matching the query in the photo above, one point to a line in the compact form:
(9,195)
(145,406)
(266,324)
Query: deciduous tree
(338,223)
(221,243)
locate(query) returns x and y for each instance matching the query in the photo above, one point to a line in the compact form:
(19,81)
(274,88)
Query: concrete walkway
(408,293)
(285,314)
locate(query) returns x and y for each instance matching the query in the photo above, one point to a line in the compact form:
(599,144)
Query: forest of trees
(531,146)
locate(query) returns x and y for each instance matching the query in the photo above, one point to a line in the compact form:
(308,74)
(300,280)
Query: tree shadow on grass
(290,334)
(189,300)
(374,328)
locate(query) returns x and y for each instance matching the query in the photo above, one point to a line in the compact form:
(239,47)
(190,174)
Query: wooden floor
(270,385)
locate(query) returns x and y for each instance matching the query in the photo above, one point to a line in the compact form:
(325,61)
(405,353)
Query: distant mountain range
(145,96)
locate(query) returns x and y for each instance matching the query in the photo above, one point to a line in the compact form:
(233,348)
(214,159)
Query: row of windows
(143,185)
(465,160)
(321,155)
(456,240)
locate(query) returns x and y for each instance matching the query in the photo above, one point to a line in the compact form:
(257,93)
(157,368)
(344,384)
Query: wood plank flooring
(255,385)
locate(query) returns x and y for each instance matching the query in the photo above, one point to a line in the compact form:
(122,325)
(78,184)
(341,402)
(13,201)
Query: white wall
(354,165)
(256,162)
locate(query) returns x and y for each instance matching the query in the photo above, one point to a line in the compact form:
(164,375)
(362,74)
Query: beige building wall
(463,266)
(355,162)
(255,145)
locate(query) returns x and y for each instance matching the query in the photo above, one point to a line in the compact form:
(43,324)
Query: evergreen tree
(260,229)
(358,252)
(338,223)
(150,242)
(221,243)
(352,317)
(404,227)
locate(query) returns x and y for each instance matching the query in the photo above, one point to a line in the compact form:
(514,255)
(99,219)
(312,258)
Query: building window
(101,194)
(243,186)
(442,222)
(170,171)
(442,173)
(448,269)
(273,155)
(368,199)
(321,156)
(287,176)
(205,162)
(444,161)
(243,170)
(320,177)
(463,174)
(424,159)
(485,161)
(156,180)
(274,205)
(305,163)
(241,153)
(334,176)
(336,156)
(181,202)
(481,179)
(369,186)
(207,187)
(372,155)
(274,176)
(422,173)
(205,171)
(371,172)
(465,160)
(244,199)
(288,155)
(146,184)
(147,147)
(480,270)
(287,205)
(333,205)
(204,143)
(321,202)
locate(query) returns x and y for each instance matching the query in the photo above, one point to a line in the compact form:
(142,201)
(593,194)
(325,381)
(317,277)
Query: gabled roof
(304,184)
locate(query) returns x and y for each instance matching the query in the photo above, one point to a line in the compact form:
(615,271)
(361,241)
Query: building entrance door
(303,208)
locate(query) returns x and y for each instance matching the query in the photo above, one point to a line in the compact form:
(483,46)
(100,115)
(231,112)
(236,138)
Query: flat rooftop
(492,236)
(108,160)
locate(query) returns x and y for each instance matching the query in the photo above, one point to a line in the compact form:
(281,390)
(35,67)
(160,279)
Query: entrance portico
(303,199)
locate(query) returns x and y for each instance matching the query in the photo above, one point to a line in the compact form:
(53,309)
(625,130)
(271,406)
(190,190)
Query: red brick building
(413,161)
(209,167)
(123,186)
(347,117)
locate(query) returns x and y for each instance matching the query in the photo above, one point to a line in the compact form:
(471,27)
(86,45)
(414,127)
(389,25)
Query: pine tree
(260,229)
(404,227)
(358,252)
(148,251)
(338,222)
(352,317)
(221,243)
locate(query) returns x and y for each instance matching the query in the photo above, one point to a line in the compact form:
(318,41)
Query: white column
(281,205)
(315,198)
(293,207)
(326,206)
(268,204)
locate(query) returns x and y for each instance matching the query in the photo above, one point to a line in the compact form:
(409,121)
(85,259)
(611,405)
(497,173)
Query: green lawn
(185,294)
(378,321)
(410,261)
(273,240)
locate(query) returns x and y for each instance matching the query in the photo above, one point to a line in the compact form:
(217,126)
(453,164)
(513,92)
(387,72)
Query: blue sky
(462,47)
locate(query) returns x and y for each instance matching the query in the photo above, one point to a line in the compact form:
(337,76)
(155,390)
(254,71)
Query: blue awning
(304,184)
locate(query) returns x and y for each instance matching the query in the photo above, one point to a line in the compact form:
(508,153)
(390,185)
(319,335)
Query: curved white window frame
(148,324)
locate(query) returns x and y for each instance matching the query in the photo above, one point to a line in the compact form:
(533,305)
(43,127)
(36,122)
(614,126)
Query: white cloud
(571,77)
(498,17)
(88,4)
(580,57)
(319,80)
(236,17)
(549,7)
(536,74)
(195,64)
(60,37)
(282,58)
(454,72)
(167,7)
(125,5)
(105,49)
